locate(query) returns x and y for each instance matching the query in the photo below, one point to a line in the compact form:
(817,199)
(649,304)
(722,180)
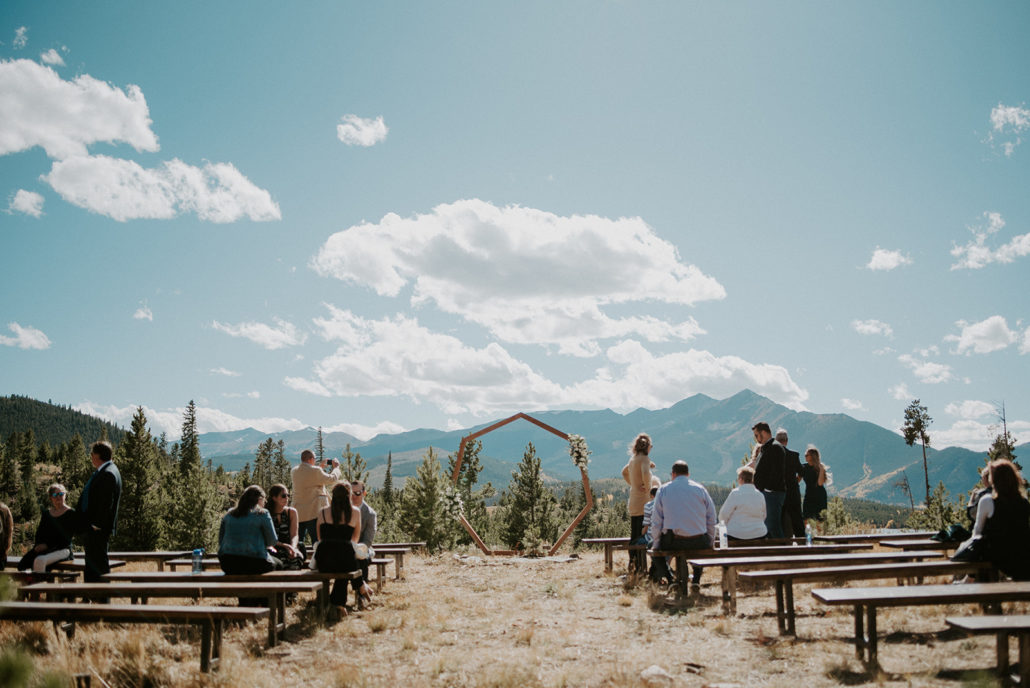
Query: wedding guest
(368,533)
(53,542)
(814,475)
(1003,520)
(683,517)
(974,499)
(309,494)
(769,471)
(793,521)
(288,549)
(743,512)
(98,505)
(637,474)
(6,533)
(246,536)
(339,526)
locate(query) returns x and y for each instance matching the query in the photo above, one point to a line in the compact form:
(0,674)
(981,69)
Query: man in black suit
(769,478)
(98,505)
(793,524)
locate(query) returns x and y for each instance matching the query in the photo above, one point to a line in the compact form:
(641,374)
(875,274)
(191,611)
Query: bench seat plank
(1002,627)
(210,619)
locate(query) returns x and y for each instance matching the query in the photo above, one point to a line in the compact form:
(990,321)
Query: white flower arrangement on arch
(452,503)
(579,452)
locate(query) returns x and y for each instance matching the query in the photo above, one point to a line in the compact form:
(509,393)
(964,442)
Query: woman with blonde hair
(813,472)
(53,542)
(637,473)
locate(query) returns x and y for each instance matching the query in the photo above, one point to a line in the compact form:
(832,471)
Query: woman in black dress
(54,535)
(814,475)
(1006,529)
(338,528)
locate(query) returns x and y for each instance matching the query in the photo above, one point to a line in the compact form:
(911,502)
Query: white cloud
(851,404)
(240,395)
(976,254)
(224,371)
(1008,122)
(28,202)
(975,435)
(144,313)
(25,337)
(1024,346)
(282,335)
(170,421)
(21,37)
(359,131)
(309,386)
(123,190)
(970,409)
(39,108)
(52,57)
(367,432)
(872,327)
(900,392)
(398,357)
(983,337)
(884,259)
(927,371)
(529,276)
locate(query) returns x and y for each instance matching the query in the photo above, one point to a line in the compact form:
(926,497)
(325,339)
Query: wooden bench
(1002,627)
(210,619)
(868,600)
(302,576)
(622,543)
(31,577)
(920,544)
(158,556)
(785,579)
(730,565)
(380,565)
(875,537)
(397,553)
(275,593)
(79,564)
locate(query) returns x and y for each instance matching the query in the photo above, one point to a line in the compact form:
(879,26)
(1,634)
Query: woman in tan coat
(637,473)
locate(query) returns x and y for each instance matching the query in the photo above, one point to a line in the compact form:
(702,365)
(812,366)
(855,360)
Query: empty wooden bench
(867,600)
(1002,627)
(211,620)
(786,577)
(159,557)
(380,565)
(875,537)
(275,593)
(810,556)
(304,575)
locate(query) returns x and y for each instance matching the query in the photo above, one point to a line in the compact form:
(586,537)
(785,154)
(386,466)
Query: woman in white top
(743,512)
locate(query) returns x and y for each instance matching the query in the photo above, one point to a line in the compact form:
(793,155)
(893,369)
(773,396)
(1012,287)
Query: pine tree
(529,515)
(140,507)
(262,474)
(75,465)
(281,472)
(189,445)
(387,496)
(195,506)
(353,466)
(1004,444)
(30,500)
(421,514)
(917,420)
(319,448)
(10,476)
(473,499)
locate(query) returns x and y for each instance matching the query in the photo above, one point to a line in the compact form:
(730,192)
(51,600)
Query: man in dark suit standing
(793,524)
(769,478)
(98,505)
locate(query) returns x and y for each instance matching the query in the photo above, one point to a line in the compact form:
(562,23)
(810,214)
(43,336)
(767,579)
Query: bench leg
(380,575)
(1003,655)
(608,564)
(206,631)
(789,585)
(399,566)
(781,618)
(871,640)
(1024,658)
(274,611)
(729,590)
(859,632)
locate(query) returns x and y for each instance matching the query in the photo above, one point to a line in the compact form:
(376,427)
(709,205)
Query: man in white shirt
(309,495)
(683,517)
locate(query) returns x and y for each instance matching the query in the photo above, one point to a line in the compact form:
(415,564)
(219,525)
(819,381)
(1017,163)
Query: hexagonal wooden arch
(457,470)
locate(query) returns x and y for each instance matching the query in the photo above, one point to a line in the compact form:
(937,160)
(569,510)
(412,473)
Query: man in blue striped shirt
(683,517)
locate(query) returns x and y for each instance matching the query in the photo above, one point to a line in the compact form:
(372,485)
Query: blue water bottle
(808,534)
(198,560)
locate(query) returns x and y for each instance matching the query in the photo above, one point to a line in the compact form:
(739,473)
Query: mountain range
(713,436)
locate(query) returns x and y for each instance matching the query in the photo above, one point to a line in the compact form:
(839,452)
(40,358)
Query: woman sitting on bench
(54,533)
(246,536)
(1004,520)
(338,528)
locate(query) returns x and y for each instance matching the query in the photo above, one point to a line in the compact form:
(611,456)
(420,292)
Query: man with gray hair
(793,523)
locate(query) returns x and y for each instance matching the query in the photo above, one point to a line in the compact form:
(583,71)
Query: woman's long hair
(276,490)
(340,505)
(248,501)
(1005,479)
(641,445)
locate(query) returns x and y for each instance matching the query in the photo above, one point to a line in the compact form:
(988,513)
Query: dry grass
(505,622)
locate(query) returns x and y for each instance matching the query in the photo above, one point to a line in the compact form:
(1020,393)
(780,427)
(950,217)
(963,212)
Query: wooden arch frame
(554,431)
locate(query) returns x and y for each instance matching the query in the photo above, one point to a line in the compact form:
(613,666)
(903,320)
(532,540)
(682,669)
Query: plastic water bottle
(198,560)
(808,534)
(723,539)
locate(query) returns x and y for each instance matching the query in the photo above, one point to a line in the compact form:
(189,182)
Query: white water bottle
(723,539)
(808,534)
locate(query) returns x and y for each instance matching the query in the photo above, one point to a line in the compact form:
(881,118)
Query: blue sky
(375,217)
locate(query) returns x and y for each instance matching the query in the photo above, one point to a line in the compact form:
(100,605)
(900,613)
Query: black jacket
(100,506)
(770,468)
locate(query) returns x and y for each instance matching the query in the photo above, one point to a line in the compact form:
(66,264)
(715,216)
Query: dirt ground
(466,620)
